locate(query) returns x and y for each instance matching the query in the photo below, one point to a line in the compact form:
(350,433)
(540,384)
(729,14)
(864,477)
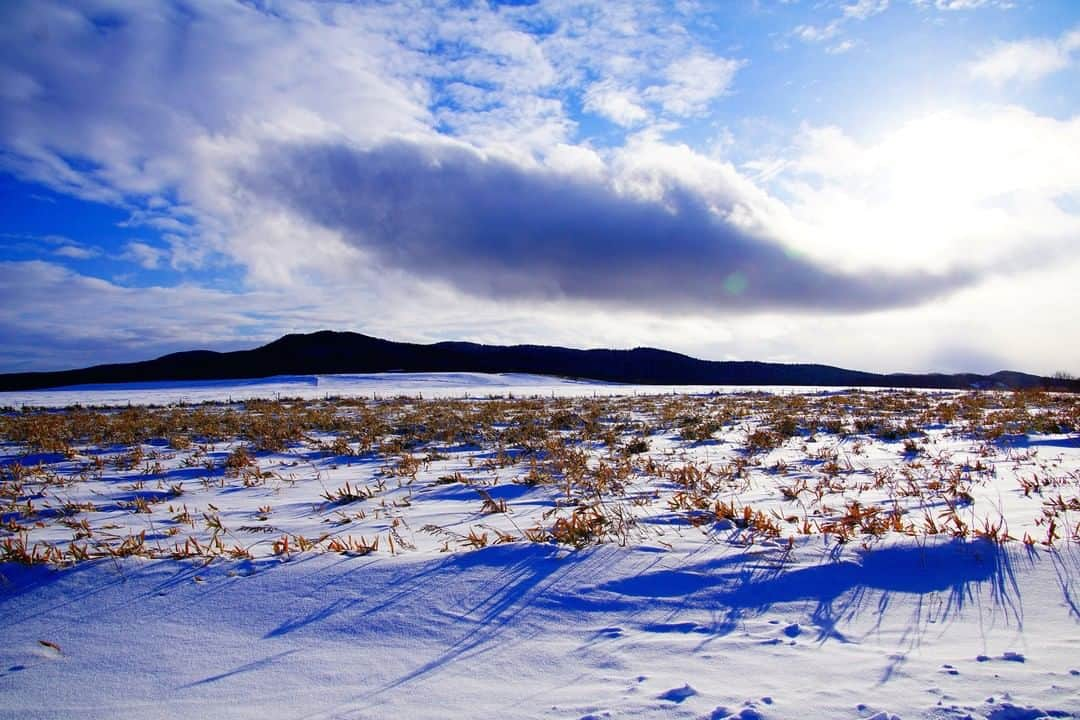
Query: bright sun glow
(946,188)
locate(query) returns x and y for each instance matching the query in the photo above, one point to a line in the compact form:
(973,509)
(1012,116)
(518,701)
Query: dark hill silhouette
(328,352)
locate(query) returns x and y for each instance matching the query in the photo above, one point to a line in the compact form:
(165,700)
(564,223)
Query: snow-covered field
(314,387)
(776,555)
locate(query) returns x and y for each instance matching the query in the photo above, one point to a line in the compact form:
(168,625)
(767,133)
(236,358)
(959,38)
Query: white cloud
(684,88)
(1027,60)
(965,4)
(978,189)
(1002,324)
(842,47)
(862,9)
(982,329)
(618,104)
(58,245)
(42,328)
(125,325)
(76,252)
(817,33)
(146,256)
(577,161)
(132,324)
(692,82)
(186,253)
(170,99)
(858,11)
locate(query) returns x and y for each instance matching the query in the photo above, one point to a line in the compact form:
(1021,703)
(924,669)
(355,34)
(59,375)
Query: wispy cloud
(862,9)
(1027,60)
(55,245)
(842,47)
(692,82)
(140,253)
(76,252)
(965,4)
(857,11)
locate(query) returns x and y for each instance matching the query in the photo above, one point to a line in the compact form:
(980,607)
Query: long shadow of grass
(246,667)
(522,575)
(404,588)
(839,588)
(526,576)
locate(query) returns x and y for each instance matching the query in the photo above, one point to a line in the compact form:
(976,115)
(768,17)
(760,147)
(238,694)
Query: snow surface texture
(446,595)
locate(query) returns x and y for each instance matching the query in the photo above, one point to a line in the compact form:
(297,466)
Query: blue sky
(884,184)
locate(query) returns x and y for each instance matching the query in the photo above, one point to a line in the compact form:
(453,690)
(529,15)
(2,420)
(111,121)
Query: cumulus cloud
(621,105)
(493,228)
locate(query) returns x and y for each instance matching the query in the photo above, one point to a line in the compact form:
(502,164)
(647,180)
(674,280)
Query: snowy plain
(784,554)
(314,387)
